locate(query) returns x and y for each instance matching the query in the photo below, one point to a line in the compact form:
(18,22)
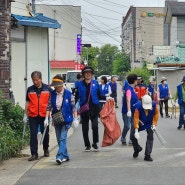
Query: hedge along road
(114,165)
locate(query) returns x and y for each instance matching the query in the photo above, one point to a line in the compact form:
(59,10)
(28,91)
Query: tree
(121,64)
(144,72)
(90,55)
(106,58)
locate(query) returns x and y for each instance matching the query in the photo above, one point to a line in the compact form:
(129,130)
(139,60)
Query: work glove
(75,122)
(136,134)
(108,97)
(46,122)
(153,127)
(170,96)
(129,114)
(25,118)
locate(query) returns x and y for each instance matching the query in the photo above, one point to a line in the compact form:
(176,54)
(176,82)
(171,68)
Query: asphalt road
(114,165)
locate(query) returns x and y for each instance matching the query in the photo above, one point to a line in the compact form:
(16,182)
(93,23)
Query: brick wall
(5,48)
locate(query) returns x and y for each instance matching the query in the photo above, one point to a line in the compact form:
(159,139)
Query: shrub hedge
(11,129)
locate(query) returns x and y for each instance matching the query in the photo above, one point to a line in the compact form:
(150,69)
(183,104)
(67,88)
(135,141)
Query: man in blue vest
(180,95)
(164,95)
(145,118)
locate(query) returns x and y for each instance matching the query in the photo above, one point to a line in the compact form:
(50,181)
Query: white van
(71,78)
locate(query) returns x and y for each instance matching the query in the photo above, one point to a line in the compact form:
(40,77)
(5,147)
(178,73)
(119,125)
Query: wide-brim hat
(57,82)
(87,68)
(163,78)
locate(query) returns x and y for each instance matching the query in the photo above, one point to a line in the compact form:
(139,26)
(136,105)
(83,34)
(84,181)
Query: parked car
(108,78)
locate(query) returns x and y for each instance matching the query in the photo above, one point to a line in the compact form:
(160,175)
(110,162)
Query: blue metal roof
(37,20)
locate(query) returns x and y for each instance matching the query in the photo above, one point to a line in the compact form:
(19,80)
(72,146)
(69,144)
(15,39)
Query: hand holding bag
(85,107)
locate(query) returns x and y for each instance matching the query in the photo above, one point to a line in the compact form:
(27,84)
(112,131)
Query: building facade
(142,28)
(63,42)
(30,47)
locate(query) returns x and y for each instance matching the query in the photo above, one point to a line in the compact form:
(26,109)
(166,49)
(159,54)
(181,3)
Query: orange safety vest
(38,104)
(140,91)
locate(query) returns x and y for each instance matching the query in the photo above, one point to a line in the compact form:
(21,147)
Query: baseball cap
(147,102)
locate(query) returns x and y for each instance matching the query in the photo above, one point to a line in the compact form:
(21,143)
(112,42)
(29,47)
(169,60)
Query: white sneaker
(59,161)
(65,160)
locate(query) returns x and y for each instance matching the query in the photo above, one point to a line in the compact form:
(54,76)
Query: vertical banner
(78,44)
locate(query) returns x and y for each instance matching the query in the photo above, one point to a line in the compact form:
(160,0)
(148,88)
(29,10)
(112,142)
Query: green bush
(11,129)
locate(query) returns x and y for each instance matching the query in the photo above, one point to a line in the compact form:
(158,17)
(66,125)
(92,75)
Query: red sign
(79,66)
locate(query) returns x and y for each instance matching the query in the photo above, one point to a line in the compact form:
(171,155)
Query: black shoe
(136,153)
(95,147)
(124,143)
(168,116)
(179,127)
(58,161)
(161,116)
(46,153)
(33,158)
(116,106)
(148,158)
(88,149)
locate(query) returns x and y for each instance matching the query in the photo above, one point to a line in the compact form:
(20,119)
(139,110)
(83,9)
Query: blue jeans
(182,112)
(61,135)
(127,125)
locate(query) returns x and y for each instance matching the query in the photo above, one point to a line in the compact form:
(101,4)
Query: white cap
(147,102)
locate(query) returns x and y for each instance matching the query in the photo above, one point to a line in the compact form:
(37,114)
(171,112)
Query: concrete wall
(174,77)
(18,72)
(173,35)
(37,52)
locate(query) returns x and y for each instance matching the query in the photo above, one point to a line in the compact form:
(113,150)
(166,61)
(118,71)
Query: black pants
(85,128)
(34,123)
(149,142)
(165,102)
(114,95)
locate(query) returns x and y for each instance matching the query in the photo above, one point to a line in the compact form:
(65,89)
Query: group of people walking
(139,110)
(42,103)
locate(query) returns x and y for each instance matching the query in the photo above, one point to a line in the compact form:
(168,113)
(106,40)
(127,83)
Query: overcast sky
(101,19)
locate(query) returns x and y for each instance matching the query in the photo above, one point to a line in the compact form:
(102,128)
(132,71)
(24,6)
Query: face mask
(165,82)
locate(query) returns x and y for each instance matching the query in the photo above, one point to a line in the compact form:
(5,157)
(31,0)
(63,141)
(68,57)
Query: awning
(66,64)
(63,64)
(38,20)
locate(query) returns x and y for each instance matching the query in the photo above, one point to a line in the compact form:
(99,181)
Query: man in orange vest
(141,88)
(37,98)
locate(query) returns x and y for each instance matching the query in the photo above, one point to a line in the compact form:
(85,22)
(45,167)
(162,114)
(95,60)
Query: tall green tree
(121,64)
(105,59)
(90,56)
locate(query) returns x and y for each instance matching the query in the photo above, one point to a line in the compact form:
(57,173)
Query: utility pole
(5,47)
(33,7)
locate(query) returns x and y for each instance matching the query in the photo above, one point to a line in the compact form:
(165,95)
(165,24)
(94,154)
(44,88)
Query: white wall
(37,52)
(18,72)
(62,42)
(19,7)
